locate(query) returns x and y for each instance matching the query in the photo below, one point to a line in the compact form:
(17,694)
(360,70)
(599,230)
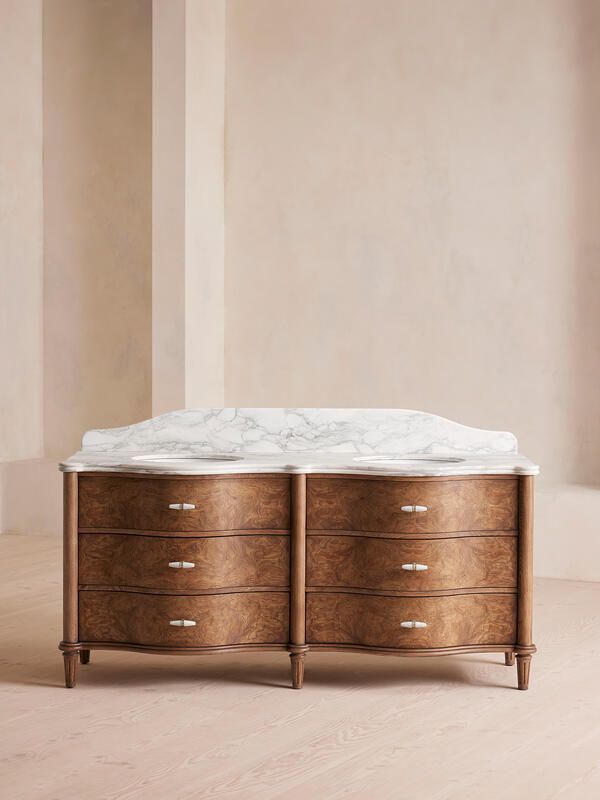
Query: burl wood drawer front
(356,619)
(411,565)
(221,503)
(184,563)
(374,504)
(223,619)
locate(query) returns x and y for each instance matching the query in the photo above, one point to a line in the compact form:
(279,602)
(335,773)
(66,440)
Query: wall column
(21,231)
(188,76)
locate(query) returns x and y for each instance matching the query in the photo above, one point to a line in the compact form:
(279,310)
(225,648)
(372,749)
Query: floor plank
(151,727)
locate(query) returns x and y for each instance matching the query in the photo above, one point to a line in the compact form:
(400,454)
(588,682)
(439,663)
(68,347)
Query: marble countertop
(391,442)
(415,465)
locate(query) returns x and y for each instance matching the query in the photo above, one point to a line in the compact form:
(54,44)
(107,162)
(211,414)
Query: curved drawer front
(411,565)
(184,563)
(457,620)
(374,504)
(219,503)
(145,619)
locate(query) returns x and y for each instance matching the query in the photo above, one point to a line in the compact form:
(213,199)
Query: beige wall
(168,205)
(412,206)
(21,226)
(187,204)
(205,205)
(75,337)
(97,224)
(412,198)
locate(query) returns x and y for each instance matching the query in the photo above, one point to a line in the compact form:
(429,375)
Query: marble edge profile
(524,468)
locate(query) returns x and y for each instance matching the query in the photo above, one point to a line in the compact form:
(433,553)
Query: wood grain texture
(400,592)
(375,621)
(70,558)
(187,650)
(411,652)
(71,661)
(525,561)
(249,502)
(194,534)
(298,563)
(523,671)
(525,646)
(297,667)
(357,593)
(137,561)
(359,562)
(369,504)
(224,619)
(429,536)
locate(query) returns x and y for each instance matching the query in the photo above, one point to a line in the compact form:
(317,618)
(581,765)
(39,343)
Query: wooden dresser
(420,566)
(268,555)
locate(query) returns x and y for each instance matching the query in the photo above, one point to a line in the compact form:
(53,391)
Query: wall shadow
(583,413)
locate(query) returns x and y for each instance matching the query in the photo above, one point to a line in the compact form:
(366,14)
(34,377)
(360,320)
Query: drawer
(452,621)
(119,559)
(375,504)
(221,503)
(360,562)
(222,619)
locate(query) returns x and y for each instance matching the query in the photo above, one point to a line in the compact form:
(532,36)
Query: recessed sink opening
(184,458)
(409,460)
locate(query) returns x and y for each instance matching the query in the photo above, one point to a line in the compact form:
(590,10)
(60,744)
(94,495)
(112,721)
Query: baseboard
(567,531)
(31,497)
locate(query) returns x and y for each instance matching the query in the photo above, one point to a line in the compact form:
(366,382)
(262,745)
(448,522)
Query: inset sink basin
(184,458)
(409,461)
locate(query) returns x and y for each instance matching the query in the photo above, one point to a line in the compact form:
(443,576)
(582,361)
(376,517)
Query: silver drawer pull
(182,623)
(413,623)
(412,509)
(181,564)
(182,506)
(411,567)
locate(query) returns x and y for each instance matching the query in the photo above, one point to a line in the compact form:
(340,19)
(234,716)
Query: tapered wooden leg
(71,660)
(509,659)
(297,660)
(84,656)
(525,646)
(523,669)
(70,580)
(298,580)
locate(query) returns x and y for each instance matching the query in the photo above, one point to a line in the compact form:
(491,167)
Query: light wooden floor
(143,727)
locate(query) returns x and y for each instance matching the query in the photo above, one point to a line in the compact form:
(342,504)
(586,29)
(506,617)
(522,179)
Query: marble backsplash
(362,431)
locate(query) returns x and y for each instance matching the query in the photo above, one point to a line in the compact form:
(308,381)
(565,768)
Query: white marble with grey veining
(301,430)
(300,440)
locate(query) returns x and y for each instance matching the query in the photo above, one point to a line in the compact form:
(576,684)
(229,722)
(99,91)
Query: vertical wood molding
(525,562)
(70,555)
(298,562)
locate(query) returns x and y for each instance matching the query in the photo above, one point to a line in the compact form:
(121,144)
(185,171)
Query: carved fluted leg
(297,660)
(509,659)
(298,645)
(69,644)
(523,669)
(84,656)
(71,660)
(525,646)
